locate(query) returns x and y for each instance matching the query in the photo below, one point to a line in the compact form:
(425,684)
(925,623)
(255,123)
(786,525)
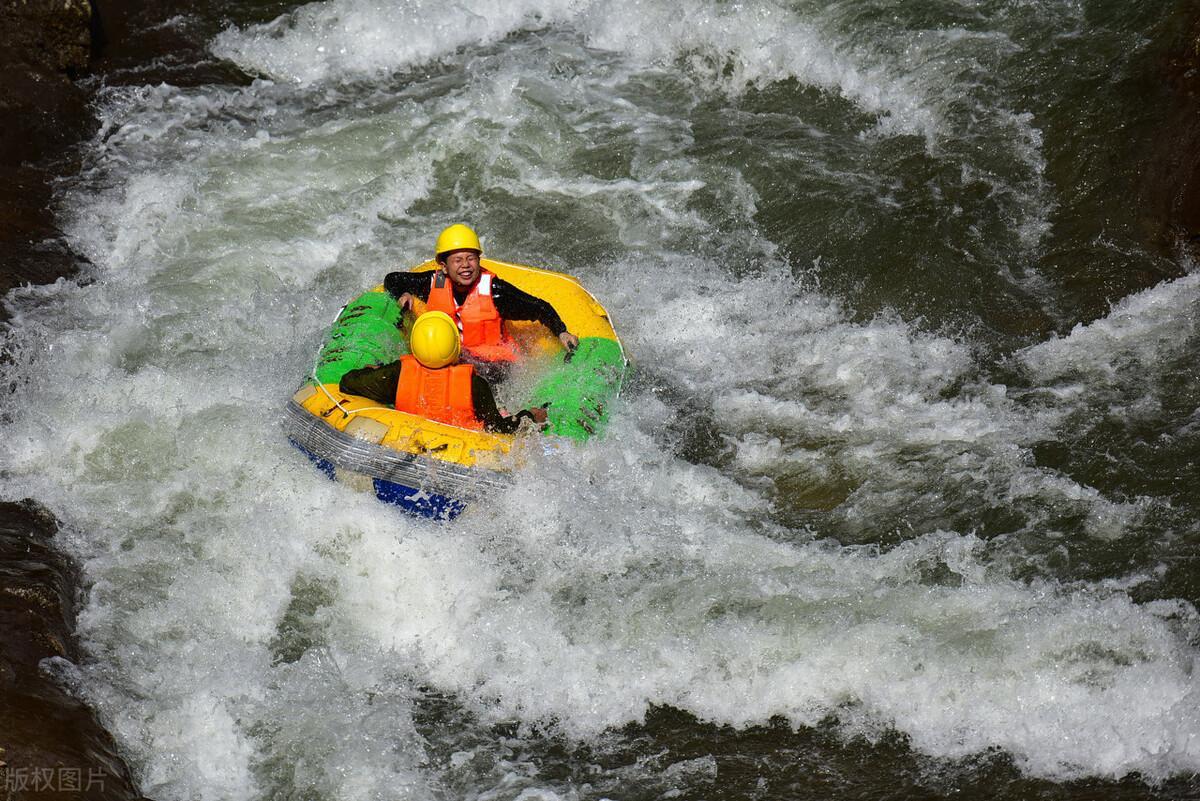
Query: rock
(50,35)
(1170,199)
(133,44)
(43,45)
(51,745)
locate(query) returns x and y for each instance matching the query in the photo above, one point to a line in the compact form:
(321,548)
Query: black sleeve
(415,284)
(376,383)
(513,304)
(487,412)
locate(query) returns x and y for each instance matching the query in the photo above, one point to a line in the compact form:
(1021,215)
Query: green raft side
(580,389)
(366,333)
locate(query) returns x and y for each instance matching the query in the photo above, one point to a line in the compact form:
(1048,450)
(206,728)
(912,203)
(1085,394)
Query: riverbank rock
(44,45)
(55,34)
(1171,192)
(51,746)
(53,55)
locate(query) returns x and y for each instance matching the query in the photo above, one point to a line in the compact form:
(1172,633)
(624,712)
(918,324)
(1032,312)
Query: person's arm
(515,304)
(376,383)
(489,414)
(403,283)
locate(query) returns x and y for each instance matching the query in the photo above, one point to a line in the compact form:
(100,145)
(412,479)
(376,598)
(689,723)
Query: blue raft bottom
(414,501)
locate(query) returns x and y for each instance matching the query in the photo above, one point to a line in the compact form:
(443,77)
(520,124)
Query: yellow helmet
(457,237)
(435,340)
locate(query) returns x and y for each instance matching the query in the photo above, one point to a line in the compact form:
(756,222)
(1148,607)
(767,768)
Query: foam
(666,605)
(354,39)
(1139,337)
(928,83)
(357,38)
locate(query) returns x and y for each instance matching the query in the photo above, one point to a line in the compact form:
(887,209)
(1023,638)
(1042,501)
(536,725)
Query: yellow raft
(428,467)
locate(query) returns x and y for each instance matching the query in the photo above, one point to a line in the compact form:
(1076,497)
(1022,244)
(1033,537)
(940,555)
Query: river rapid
(900,498)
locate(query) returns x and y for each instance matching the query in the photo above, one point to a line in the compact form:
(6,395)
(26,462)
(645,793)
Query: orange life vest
(483,334)
(443,395)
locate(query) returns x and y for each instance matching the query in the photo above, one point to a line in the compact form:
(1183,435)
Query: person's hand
(405,301)
(538,414)
(569,340)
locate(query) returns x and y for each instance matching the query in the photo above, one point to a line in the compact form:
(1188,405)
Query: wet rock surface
(51,745)
(44,46)
(1170,195)
(1185,210)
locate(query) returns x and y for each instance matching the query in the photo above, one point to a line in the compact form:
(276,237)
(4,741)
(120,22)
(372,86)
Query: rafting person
(431,383)
(477,301)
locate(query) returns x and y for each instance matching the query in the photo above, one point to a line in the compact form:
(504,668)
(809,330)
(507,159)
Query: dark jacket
(511,303)
(379,384)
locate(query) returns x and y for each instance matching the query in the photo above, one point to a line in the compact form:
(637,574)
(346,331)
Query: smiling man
(476,300)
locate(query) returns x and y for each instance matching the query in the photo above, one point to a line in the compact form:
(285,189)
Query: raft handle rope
(355,312)
(346,412)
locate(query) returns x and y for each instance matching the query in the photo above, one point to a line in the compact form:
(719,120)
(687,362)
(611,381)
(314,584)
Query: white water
(228,225)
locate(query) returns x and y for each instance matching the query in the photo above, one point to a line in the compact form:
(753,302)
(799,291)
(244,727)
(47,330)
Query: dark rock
(54,54)
(44,112)
(34,252)
(51,35)
(134,44)
(1171,185)
(43,45)
(51,745)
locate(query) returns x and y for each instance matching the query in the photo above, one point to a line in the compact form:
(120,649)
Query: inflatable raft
(430,468)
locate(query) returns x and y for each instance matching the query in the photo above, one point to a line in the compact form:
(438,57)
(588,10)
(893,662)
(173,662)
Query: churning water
(901,490)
